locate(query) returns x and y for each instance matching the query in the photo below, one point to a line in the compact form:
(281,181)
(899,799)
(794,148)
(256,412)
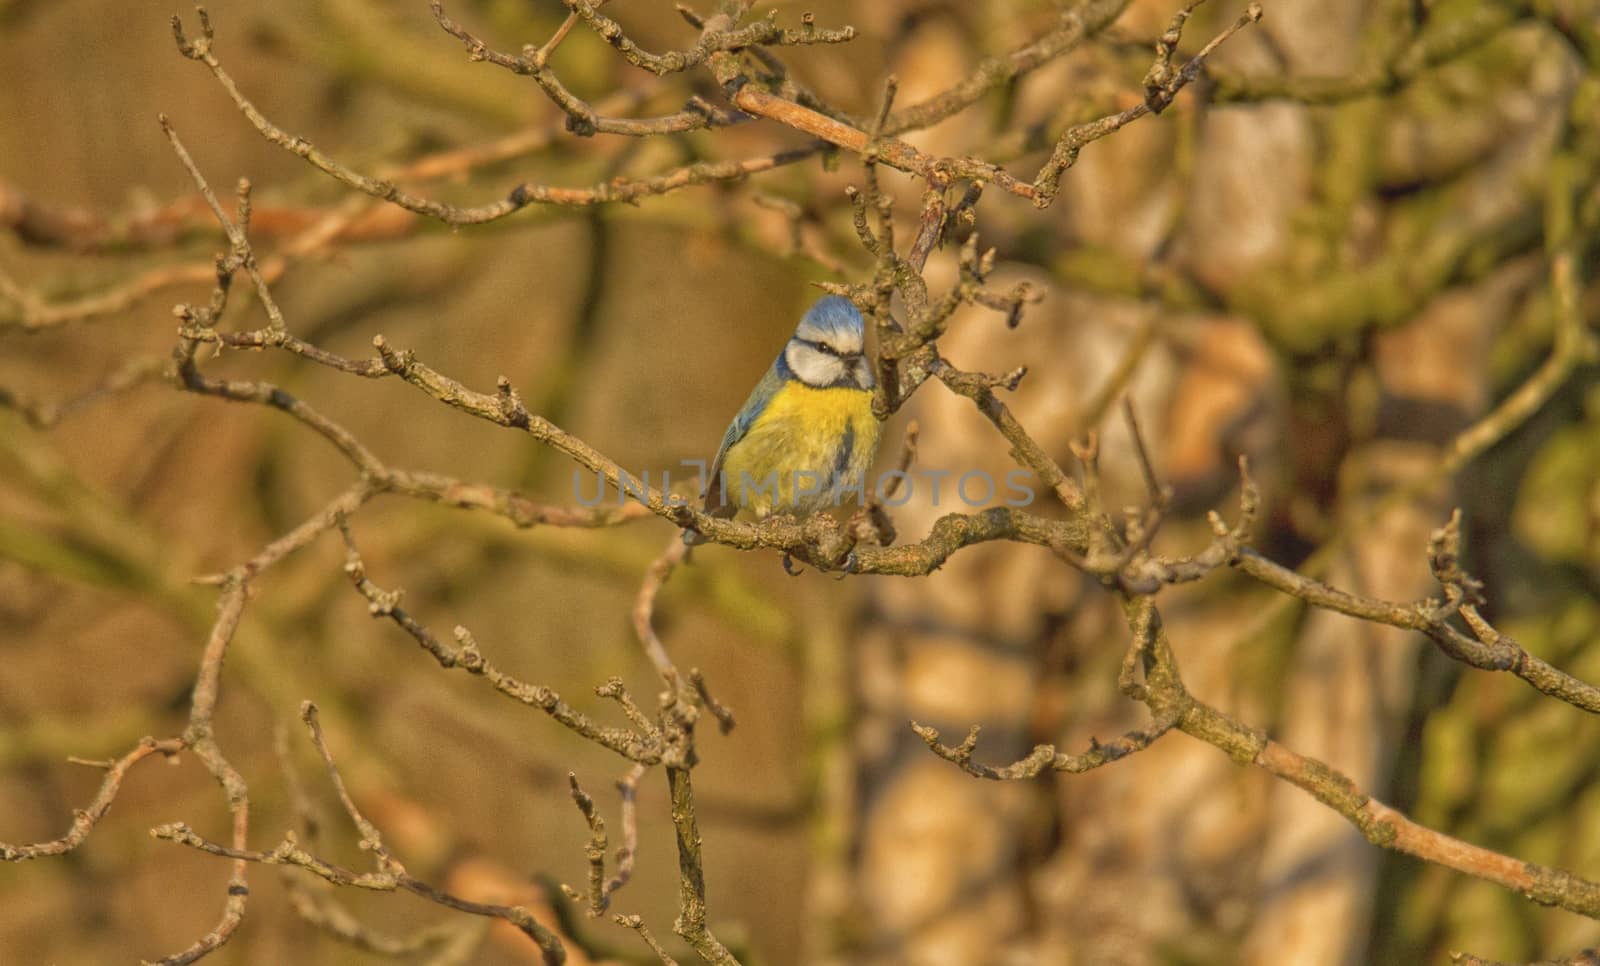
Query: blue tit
(806,436)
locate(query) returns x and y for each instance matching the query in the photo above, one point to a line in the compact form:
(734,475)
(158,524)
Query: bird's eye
(826,349)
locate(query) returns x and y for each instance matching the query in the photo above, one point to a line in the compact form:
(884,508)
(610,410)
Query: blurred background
(1334,289)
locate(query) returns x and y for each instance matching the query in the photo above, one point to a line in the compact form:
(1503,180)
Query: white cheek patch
(863,374)
(812,367)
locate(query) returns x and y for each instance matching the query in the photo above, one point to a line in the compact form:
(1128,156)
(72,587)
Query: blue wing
(760,396)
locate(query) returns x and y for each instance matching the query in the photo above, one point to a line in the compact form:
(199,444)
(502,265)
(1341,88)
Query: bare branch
(1162,84)
(390,874)
(1044,757)
(385,604)
(521,196)
(582,119)
(1486,648)
(1077,24)
(762,32)
(644,607)
(637,925)
(600,889)
(85,819)
(242,254)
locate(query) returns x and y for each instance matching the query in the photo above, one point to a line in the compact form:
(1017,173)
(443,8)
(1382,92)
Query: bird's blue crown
(832,319)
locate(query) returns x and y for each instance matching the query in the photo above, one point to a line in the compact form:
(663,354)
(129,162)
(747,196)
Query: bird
(807,434)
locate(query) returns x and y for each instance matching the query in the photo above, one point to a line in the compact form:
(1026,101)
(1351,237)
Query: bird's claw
(789,566)
(851,563)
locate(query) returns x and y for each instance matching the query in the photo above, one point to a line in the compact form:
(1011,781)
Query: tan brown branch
(1587,957)
(466,656)
(513,506)
(582,117)
(1162,84)
(885,149)
(1387,827)
(600,888)
(30,313)
(241,252)
(197,738)
(523,195)
(1164,692)
(314,901)
(390,874)
(1076,25)
(85,819)
(691,921)
(451,162)
(86,231)
(1026,451)
(764,32)
(282,339)
(189,377)
(1044,757)
(644,605)
(1485,649)
(637,925)
(322,913)
(307,230)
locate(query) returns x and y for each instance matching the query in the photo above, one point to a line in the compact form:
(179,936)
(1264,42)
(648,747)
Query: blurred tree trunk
(1266,201)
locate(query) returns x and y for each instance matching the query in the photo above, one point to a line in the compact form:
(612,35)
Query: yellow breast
(804,448)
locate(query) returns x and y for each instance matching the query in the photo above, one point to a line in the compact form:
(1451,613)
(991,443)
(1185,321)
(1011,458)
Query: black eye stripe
(821,347)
